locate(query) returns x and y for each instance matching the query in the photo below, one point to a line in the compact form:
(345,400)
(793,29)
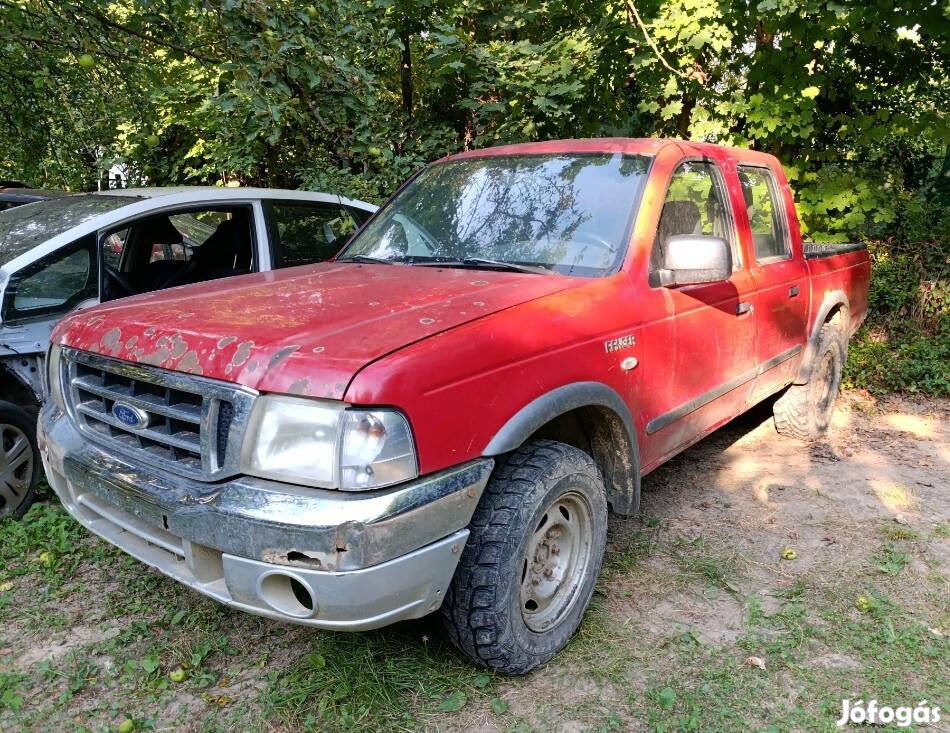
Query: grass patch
(890,559)
(714,566)
(366,682)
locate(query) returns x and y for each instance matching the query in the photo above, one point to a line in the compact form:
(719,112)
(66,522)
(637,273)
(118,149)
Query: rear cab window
(766,212)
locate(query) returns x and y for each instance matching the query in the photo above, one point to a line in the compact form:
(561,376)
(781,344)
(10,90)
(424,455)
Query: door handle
(793,291)
(743,307)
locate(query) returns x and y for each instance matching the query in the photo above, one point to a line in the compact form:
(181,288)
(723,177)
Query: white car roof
(143,201)
(228,193)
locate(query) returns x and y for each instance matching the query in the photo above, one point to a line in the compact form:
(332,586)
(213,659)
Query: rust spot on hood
(112,341)
(240,356)
(280,355)
(179,346)
(189,363)
(301,386)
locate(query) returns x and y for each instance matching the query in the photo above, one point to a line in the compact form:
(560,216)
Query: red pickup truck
(441,417)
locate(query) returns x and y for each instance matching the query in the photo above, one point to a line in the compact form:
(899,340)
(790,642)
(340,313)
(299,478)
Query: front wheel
(529,567)
(20,465)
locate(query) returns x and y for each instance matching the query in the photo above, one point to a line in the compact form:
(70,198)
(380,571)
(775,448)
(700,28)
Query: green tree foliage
(354,95)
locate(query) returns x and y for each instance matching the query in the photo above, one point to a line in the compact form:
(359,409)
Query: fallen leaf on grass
(453,703)
(499,706)
(755,662)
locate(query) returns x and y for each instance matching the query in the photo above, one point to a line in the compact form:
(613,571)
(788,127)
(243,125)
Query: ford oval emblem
(130,416)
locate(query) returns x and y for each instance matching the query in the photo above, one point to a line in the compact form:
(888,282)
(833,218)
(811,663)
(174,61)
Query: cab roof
(607,145)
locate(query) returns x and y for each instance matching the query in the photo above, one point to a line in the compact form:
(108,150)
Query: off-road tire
(804,410)
(14,419)
(483,612)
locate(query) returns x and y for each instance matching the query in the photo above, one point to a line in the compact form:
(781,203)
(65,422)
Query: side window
(307,233)
(54,284)
(766,213)
(177,248)
(695,203)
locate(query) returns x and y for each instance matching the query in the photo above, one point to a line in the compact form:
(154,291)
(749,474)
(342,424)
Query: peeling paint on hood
(306,330)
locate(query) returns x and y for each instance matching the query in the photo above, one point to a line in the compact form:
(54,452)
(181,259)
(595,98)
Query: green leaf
(482,680)
(499,706)
(810,92)
(666,698)
(150,663)
(453,703)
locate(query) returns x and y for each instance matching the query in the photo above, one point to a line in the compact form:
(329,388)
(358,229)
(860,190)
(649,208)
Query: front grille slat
(152,403)
(191,443)
(189,425)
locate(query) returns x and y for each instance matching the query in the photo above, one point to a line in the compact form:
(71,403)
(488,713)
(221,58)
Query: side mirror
(691,259)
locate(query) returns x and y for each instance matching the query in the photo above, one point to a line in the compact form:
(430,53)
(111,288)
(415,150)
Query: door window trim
(775,194)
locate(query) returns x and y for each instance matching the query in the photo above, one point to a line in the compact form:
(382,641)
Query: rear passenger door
(305,232)
(781,279)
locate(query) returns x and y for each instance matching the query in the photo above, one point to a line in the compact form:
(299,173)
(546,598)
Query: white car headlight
(54,384)
(321,444)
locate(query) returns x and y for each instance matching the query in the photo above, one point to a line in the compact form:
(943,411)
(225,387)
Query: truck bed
(815,250)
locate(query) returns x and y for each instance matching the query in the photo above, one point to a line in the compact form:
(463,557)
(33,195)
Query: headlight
(322,444)
(294,440)
(54,384)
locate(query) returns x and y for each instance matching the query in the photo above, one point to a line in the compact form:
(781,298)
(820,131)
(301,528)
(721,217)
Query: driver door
(701,338)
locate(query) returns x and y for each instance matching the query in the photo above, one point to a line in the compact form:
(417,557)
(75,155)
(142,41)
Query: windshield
(24,227)
(562,213)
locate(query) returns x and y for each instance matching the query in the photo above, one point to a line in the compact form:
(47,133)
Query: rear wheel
(529,567)
(19,461)
(804,410)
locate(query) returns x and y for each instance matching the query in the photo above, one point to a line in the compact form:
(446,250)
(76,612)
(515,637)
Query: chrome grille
(191,425)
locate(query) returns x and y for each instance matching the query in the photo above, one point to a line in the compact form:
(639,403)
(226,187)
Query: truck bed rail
(814,250)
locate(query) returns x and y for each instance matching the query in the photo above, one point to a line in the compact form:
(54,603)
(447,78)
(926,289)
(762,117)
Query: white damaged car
(83,249)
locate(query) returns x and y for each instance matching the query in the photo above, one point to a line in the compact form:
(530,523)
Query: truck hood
(305,330)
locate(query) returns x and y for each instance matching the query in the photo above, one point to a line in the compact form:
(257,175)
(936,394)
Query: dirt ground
(699,623)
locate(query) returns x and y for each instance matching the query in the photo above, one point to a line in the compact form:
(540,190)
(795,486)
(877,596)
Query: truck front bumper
(328,559)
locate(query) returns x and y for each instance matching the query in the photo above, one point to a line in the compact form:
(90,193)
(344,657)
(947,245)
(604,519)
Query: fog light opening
(301,594)
(287,595)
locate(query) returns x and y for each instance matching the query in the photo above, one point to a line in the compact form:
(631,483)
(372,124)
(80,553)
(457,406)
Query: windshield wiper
(366,258)
(481,262)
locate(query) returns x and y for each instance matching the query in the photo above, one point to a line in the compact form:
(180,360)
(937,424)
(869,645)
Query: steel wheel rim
(16,467)
(556,561)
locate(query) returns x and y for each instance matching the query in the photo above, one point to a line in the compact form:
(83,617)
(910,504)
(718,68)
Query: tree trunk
(405,73)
